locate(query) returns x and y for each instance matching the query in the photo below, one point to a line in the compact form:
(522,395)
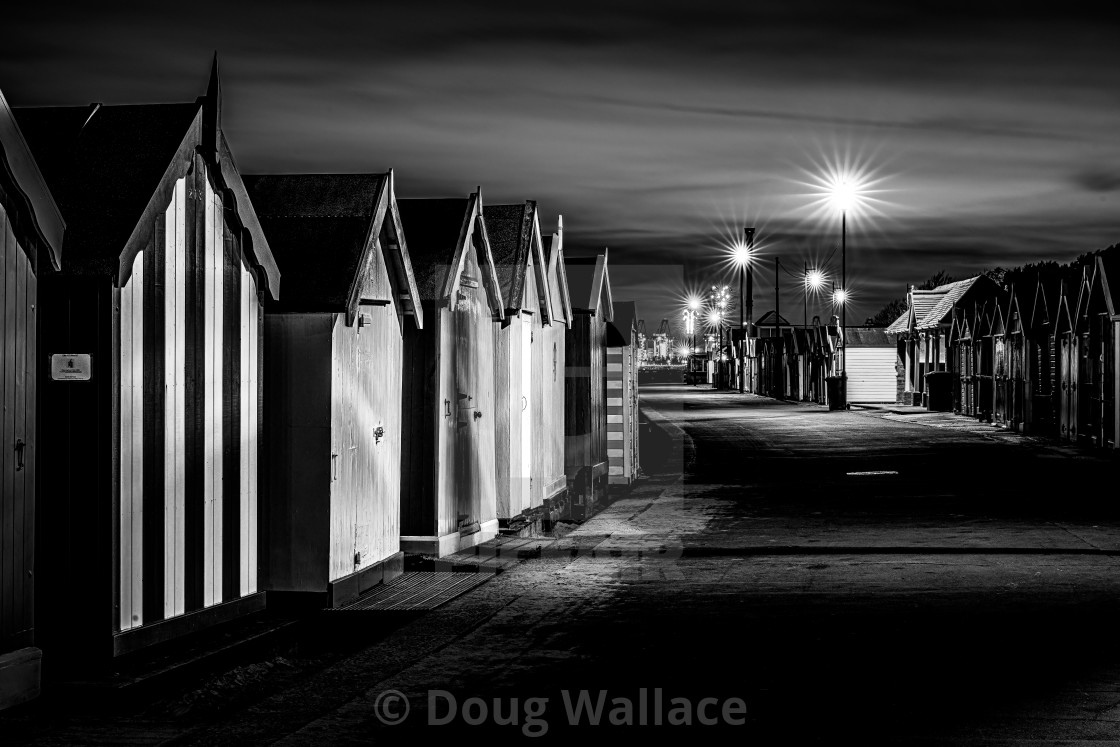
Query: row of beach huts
(184,444)
(1034,351)
(1036,354)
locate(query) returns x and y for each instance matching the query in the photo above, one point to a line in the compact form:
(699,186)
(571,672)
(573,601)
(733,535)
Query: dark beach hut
(333,382)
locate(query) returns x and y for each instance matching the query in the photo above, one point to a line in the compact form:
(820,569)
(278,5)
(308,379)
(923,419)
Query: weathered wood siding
(188,369)
(18,358)
(585,394)
(549,365)
(507,388)
(76,510)
(521,444)
(622,413)
(298,385)
(365,397)
(467,487)
(422,409)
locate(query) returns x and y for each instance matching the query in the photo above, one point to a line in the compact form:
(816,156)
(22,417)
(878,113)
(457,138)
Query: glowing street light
(814,279)
(742,255)
(846,192)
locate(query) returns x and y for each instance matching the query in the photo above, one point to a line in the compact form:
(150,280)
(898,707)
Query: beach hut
(1093,331)
(1065,331)
(961,360)
(622,394)
(1016,370)
(549,461)
(585,389)
(31,238)
(923,330)
(1108,268)
(520,431)
(1043,358)
(153,492)
(448,409)
(999,365)
(332,385)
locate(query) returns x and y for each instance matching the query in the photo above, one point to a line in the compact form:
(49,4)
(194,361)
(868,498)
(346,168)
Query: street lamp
(845,193)
(814,281)
(742,257)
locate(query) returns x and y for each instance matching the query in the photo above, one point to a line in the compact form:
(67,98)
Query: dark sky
(991,136)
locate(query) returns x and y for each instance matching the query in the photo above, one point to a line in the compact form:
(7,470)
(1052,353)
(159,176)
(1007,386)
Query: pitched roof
(433,228)
(772,319)
(620,330)
(558,290)
(1108,265)
(514,241)
(902,324)
(103,164)
(505,226)
(321,228)
(317,226)
(38,220)
(588,280)
(947,295)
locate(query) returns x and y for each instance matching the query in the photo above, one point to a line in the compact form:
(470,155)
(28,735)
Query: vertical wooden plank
(18,411)
(215,392)
(194,382)
(257,367)
(136,283)
(246,379)
(154,359)
(31,429)
(208,355)
(526,406)
(132,447)
(125,562)
(231,414)
(175,402)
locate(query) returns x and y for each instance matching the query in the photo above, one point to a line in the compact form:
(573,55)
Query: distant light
(840,297)
(815,279)
(741,254)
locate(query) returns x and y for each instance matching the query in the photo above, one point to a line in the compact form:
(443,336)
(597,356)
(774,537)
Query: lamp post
(743,259)
(845,193)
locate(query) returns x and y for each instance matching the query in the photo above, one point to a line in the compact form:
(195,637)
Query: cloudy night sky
(658,130)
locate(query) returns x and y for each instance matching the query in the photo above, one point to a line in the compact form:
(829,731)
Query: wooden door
(471,483)
(1089,383)
(525,466)
(18,290)
(999,378)
(464,478)
(1067,408)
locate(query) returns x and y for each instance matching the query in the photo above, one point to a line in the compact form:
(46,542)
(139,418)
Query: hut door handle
(524,402)
(20,448)
(477,414)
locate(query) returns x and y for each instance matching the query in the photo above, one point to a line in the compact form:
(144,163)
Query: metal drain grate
(418,590)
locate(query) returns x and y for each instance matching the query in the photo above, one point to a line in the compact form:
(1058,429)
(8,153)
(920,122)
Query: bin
(837,392)
(939,391)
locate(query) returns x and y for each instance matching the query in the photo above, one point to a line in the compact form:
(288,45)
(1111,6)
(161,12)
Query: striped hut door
(189,424)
